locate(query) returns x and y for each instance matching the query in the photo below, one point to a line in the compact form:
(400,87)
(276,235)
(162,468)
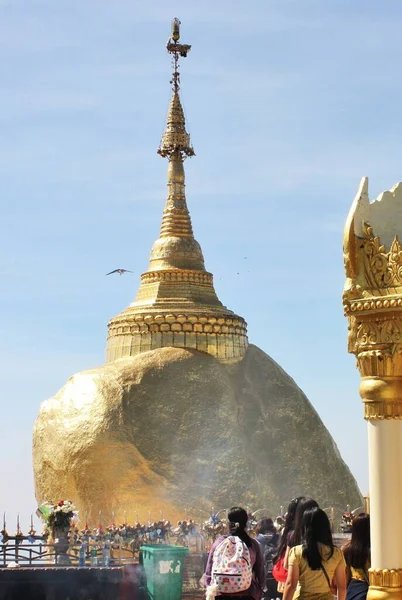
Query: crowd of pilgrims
(301,562)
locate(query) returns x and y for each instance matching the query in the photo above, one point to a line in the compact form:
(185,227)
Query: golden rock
(172,429)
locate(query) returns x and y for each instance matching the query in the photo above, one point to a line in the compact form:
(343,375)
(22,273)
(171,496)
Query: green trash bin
(163,566)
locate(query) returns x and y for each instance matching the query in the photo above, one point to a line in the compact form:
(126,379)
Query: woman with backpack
(316,562)
(357,556)
(235,567)
(268,538)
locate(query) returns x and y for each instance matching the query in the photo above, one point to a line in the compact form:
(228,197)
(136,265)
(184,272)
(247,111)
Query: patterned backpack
(231,568)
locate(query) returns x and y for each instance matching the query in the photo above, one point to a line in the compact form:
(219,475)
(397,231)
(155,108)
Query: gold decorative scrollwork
(368,333)
(382,269)
(373,306)
(372,333)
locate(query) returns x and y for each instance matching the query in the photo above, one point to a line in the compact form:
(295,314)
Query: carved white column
(385,490)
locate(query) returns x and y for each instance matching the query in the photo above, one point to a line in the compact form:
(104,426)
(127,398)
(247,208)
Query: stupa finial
(175,139)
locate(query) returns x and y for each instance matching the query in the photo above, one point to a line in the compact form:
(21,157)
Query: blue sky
(289,104)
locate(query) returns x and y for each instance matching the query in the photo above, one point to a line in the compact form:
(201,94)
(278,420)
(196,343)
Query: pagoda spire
(176,247)
(176,303)
(175,145)
(176,140)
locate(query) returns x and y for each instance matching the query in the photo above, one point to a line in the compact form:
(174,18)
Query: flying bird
(119,271)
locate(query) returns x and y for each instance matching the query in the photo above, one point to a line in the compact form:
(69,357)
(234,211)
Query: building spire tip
(175,138)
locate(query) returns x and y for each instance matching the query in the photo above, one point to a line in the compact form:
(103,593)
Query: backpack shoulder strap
(326,575)
(366,576)
(218,546)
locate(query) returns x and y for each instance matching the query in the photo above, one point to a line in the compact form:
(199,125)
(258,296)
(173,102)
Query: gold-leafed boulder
(175,428)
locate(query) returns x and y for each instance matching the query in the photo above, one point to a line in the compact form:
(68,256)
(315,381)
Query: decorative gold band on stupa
(176,304)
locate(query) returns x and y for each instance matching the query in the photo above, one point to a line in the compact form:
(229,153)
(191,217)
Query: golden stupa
(185,414)
(176,305)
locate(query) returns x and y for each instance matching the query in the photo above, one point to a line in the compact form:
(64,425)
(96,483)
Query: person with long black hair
(288,528)
(279,571)
(294,536)
(357,555)
(305,504)
(237,525)
(316,562)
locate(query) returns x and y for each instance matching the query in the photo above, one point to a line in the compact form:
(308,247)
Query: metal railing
(36,553)
(124,541)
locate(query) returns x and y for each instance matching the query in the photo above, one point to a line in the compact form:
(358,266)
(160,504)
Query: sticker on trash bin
(166,566)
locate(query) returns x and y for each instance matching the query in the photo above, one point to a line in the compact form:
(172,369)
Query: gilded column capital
(372,298)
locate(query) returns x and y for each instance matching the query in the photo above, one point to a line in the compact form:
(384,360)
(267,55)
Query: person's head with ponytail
(237,518)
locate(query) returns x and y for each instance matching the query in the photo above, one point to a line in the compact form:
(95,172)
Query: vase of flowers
(58,519)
